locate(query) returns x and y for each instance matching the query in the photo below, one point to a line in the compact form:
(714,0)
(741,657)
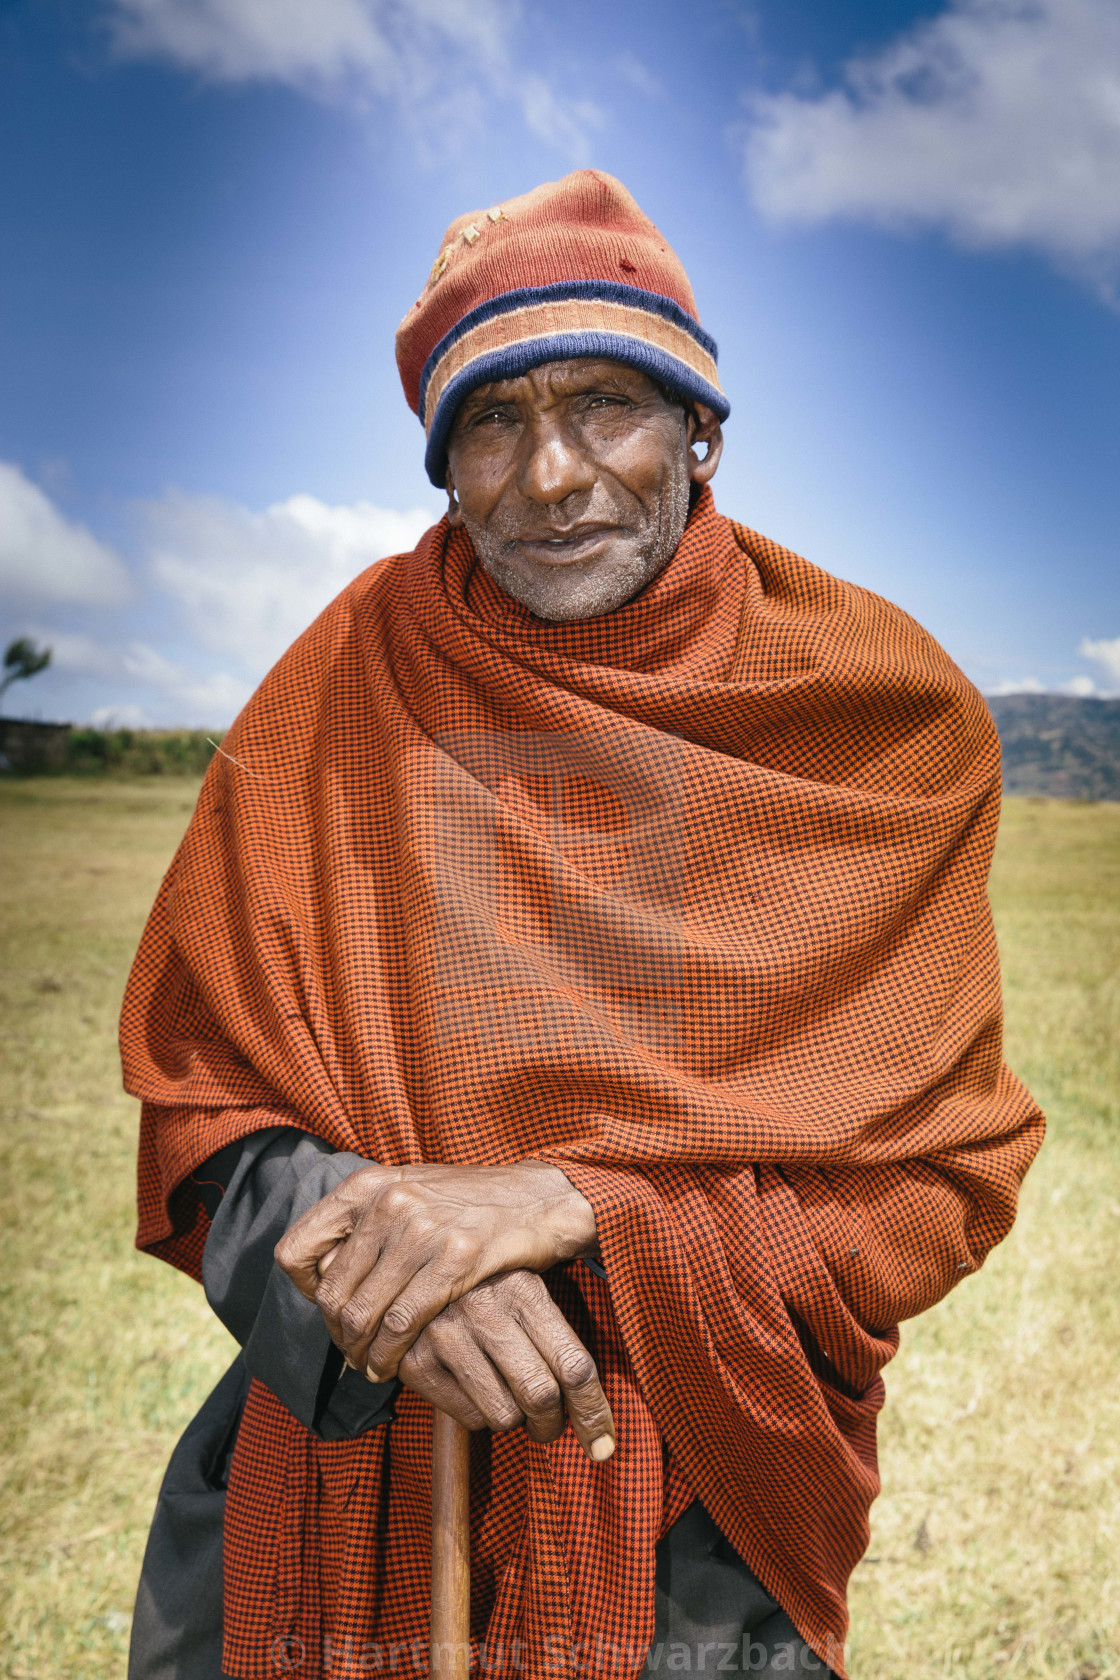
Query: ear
(703,427)
(454,511)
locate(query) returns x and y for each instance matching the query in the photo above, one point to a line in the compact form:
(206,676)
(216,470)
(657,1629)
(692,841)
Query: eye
(602,400)
(495,416)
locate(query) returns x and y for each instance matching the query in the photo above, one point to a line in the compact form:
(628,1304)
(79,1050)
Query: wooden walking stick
(450,1648)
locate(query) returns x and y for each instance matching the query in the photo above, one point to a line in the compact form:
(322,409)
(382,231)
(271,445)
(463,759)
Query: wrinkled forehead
(554,380)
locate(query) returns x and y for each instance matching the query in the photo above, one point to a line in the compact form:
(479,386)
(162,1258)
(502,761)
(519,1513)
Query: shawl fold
(689,900)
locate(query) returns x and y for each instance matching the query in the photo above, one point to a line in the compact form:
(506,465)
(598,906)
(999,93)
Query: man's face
(573,482)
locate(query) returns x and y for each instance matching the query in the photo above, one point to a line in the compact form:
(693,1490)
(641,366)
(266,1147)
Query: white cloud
(564,124)
(997,120)
(182,694)
(120,717)
(241,584)
(1104,653)
(426,56)
(315,46)
(1017,685)
(240,40)
(247,583)
(198,700)
(75,654)
(639,75)
(45,557)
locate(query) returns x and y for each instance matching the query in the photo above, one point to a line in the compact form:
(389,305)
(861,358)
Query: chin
(564,598)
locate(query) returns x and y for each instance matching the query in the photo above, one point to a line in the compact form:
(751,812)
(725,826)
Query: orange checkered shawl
(690,900)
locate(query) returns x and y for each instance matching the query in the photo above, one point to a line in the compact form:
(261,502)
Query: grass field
(996,1547)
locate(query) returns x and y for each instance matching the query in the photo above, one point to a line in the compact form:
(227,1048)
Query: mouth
(565,548)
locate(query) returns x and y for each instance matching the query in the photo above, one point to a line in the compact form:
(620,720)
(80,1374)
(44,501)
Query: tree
(22,659)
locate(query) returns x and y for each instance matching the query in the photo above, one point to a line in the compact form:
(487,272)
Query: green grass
(996,1546)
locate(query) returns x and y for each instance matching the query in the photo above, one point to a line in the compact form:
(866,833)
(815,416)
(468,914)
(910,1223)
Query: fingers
(448,1345)
(396,1264)
(455,1224)
(385,1335)
(389,1249)
(518,1360)
(447,1367)
(497,1363)
(402,1294)
(359,1253)
(303,1247)
(424,1372)
(574,1370)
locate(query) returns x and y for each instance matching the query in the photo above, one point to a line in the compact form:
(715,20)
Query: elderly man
(579,967)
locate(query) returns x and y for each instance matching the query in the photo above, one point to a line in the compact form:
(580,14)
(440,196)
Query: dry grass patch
(996,1544)
(996,1541)
(108,1353)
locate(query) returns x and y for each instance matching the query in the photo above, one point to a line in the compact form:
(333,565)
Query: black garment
(269,1180)
(707,1600)
(253,1191)
(713,1616)
(177,1623)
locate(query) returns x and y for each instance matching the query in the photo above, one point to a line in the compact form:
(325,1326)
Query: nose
(553,466)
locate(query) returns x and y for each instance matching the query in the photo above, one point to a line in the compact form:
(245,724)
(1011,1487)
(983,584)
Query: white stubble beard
(571,592)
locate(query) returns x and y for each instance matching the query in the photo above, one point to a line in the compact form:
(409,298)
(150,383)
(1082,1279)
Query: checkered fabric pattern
(690,900)
(573,268)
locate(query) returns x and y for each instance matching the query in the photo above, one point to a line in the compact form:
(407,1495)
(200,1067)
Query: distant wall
(32,748)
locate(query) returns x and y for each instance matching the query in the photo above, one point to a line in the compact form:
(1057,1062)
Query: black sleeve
(253,1190)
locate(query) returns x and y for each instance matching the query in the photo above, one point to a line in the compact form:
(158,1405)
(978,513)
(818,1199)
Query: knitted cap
(572,268)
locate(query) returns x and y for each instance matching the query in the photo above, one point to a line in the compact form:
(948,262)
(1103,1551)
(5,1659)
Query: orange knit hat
(572,268)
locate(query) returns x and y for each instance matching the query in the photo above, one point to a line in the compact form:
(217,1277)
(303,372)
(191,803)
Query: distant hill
(1059,747)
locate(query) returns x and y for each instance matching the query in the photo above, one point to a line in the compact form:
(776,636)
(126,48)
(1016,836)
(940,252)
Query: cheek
(479,484)
(646,466)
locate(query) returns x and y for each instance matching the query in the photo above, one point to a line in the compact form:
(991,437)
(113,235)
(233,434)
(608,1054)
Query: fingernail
(602,1449)
(374,1376)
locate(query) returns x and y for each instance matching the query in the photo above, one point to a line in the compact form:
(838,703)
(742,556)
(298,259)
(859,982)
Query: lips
(564,548)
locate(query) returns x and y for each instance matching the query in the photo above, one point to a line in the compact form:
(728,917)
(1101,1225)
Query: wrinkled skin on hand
(426,1273)
(504,1356)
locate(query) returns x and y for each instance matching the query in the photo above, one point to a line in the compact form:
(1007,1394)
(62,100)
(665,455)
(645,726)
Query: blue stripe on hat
(564,291)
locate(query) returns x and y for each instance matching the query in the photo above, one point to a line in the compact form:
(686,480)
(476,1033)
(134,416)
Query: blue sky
(902,224)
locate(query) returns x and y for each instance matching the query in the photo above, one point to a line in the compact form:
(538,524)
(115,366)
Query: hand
(401,1243)
(505,1355)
